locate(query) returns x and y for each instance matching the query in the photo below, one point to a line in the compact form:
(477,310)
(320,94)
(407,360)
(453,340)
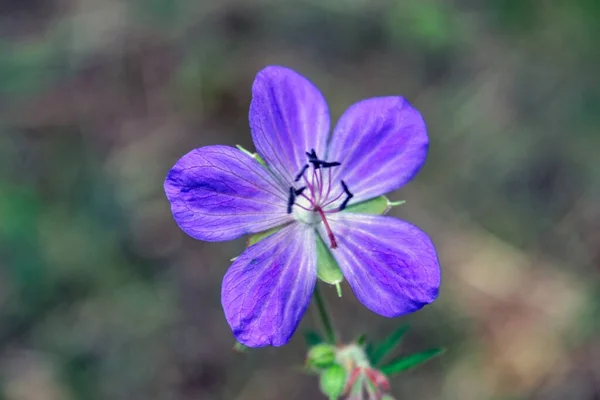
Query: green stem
(325,317)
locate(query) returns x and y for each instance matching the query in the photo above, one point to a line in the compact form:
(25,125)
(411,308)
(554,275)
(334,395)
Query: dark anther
(301,173)
(314,160)
(291,200)
(312,155)
(298,192)
(349,195)
(326,164)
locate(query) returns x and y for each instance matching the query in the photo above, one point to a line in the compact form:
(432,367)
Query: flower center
(318,195)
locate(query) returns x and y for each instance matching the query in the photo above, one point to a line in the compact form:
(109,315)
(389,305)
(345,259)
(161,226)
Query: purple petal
(382,143)
(219,193)
(268,288)
(288,117)
(390,264)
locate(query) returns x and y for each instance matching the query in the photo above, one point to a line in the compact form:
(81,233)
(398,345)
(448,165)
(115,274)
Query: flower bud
(333,381)
(321,356)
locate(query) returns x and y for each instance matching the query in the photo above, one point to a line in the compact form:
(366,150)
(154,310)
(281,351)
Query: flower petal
(288,117)
(390,264)
(382,143)
(268,287)
(219,193)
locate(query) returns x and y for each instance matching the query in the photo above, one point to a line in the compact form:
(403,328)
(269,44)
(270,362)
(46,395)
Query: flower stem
(326,319)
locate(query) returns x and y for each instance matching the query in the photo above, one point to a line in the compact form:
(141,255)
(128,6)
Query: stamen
(301,173)
(320,181)
(310,186)
(326,164)
(329,184)
(349,195)
(298,192)
(319,189)
(312,203)
(334,200)
(312,155)
(304,208)
(291,200)
(317,182)
(313,159)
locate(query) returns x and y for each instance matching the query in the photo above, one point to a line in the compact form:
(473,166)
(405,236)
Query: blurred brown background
(103,297)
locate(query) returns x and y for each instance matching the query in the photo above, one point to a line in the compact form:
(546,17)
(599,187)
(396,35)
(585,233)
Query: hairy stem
(326,319)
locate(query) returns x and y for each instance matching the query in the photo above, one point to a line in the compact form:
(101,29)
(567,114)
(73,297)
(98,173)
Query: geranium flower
(306,186)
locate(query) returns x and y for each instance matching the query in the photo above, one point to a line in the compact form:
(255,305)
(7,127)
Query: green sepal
(368,350)
(377,206)
(256,156)
(240,348)
(312,338)
(243,150)
(257,237)
(396,203)
(379,352)
(328,269)
(333,381)
(404,363)
(261,160)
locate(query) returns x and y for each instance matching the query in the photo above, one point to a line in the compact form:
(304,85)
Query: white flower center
(305,214)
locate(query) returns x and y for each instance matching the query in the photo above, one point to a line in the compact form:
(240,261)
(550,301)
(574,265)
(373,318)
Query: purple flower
(307,190)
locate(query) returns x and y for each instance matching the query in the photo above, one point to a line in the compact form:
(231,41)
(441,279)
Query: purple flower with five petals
(305,184)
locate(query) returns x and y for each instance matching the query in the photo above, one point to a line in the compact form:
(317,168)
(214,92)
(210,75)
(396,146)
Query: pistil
(327,227)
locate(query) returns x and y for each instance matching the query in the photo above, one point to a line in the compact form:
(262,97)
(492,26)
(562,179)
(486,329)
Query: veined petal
(219,193)
(390,264)
(268,287)
(288,117)
(382,143)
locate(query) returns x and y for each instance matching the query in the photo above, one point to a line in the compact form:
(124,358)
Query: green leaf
(20,213)
(404,363)
(391,342)
(328,269)
(26,67)
(257,237)
(312,338)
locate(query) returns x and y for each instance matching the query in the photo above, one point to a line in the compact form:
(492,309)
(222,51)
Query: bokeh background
(103,297)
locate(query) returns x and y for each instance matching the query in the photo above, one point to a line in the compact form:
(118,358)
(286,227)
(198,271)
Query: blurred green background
(103,297)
